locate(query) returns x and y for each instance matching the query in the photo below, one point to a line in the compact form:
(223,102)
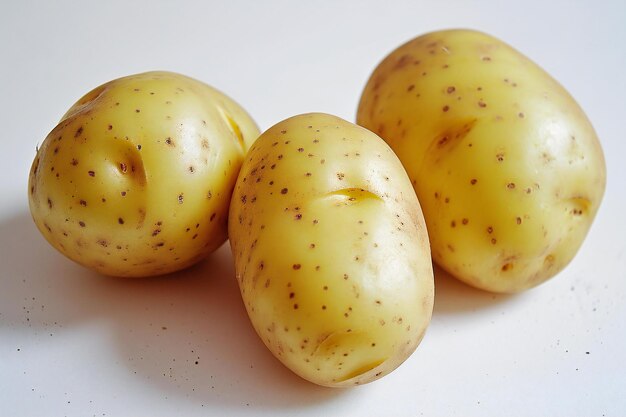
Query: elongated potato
(331,251)
(136,178)
(506,165)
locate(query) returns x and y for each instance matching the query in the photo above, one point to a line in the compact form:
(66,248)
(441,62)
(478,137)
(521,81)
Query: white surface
(76,344)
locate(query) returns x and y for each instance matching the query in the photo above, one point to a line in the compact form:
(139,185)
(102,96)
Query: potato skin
(331,250)
(136,178)
(507,167)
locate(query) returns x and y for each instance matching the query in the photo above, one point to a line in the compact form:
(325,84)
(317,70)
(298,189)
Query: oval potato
(507,167)
(136,178)
(331,251)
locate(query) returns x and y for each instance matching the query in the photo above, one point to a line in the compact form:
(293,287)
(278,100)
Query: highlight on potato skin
(331,250)
(136,178)
(507,167)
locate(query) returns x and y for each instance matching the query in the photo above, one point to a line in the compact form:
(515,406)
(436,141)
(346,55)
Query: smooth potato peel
(136,178)
(331,251)
(506,165)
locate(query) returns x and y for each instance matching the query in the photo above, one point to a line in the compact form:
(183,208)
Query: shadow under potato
(453,296)
(186,333)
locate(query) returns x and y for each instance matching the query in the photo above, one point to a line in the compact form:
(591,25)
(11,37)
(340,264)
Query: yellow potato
(331,250)
(136,178)
(507,167)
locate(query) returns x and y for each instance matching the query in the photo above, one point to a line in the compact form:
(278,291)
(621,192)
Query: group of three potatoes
(149,173)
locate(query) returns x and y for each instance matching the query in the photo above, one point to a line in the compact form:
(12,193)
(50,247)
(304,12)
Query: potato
(331,250)
(506,165)
(136,178)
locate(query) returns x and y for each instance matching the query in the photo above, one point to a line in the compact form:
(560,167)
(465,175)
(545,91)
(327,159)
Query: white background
(73,343)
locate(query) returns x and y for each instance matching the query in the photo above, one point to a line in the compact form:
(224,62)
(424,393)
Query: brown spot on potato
(447,140)
(403,61)
(578,205)
(506,267)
